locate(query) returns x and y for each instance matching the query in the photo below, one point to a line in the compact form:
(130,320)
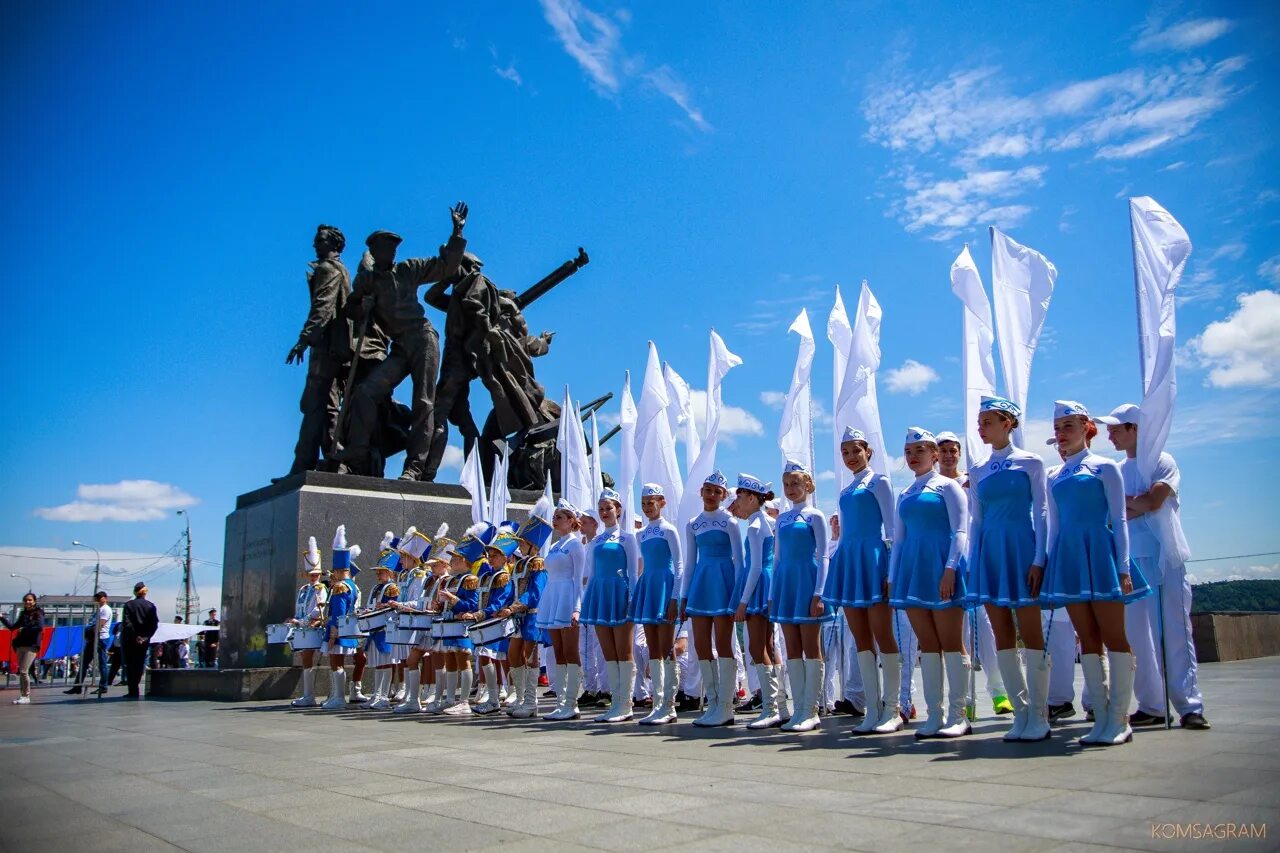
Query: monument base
(267,534)
(227,685)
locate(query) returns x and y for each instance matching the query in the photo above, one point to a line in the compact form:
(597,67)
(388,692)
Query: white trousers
(640,654)
(986,651)
(909,649)
(843,678)
(1142,618)
(594,675)
(1060,642)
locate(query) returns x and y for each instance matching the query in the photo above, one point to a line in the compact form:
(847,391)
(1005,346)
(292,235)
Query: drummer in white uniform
(308,611)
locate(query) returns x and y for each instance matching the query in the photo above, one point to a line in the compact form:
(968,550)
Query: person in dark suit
(140,622)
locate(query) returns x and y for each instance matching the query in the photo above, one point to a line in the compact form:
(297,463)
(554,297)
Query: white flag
(720,363)
(597,462)
(680,415)
(575,469)
(976,357)
(655,445)
(840,334)
(499,492)
(472,479)
(795,431)
(1160,250)
(629,462)
(858,405)
(1022,281)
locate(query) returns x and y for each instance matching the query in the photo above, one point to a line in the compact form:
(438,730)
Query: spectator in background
(209,642)
(27,628)
(114,655)
(140,624)
(102,640)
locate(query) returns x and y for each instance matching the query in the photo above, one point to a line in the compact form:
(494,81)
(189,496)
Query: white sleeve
(958,516)
(1113,487)
(632,549)
(975,522)
(888,510)
(580,555)
(677,559)
(1039,510)
(818,521)
(735,546)
(690,559)
(1167,472)
(1051,526)
(899,535)
(755,545)
(777,559)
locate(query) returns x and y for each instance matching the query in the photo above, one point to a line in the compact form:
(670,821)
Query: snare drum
(417,621)
(306,639)
(398,635)
(449,629)
(349,628)
(378,620)
(492,630)
(278,633)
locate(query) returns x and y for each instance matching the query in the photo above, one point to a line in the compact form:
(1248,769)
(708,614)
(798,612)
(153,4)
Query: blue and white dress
(612,567)
(468,602)
(1088,538)
(535,584)
(930,536)
(713,556)
(415,595)
(377,649)
(752,584)
(799,567)
(343,597)
(1008,527)
(502,592)
(860,564)
(662,568)
(566,570)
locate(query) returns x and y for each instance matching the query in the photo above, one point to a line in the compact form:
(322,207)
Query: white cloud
(773,399)
(595,43)
(127,500)
(734,421)
(1244,349)
(509,73)
(1184,35)
(825,476)
(911,378)
(1270,269)
(1226,571)
(453,458)
(952,205)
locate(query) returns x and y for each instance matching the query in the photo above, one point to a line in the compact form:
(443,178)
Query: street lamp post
(22,577)
(97,566)
(186,574)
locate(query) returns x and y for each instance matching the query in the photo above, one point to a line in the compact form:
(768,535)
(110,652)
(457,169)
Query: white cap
(948,435)
(1125,413)
(915,435)
(651,490)
(1066,408)
(794,467)
(851,434)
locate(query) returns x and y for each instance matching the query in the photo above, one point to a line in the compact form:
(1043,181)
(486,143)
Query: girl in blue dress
(751,592)
(522,654)
(795,597)
(1089,570)
(1008,530)
(657,599)
(613,566)
(858,581)
(713,551)
(925,578)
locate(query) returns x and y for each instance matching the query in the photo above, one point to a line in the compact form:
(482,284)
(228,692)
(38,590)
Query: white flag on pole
(655,445)
(499,491)
(472,479)
(840,334)
(1022,282)
(628,462)
(858,405)
(597,462)
(720,363)
(680,415)
(575,469)
(795,431)
(976,356)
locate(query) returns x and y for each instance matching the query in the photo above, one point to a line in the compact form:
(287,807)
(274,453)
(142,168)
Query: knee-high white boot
(807,709)
(788,701)
(1037,727)
(871,686)
(931,672)
(798,680)
(958,693)
(1122,675)
(517,690)
(381,690)
(308,697)
(1095,678)
(721,713)
(527,707)
(611,678)
(890,676)
(710,691)
(624,701)
(412,698)
(442,697)
(491,701)
(572,689)
(657,684)
(355,690)
(768,717)
(337,700)
(1015,689)
(560,683)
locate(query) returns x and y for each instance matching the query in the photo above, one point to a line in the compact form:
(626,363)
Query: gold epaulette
(470,582)
(536,564)
(501,578)
(391,590)
(339,587)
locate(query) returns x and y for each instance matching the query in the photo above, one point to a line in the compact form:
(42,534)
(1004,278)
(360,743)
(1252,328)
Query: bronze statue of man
(386,293)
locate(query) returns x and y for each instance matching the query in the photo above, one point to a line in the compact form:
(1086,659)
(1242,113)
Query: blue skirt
(711,588)
(531,633)
(920,573)
(605,601)
(791,595)
(858,571)
(653,594)
(457,644)
(998,574)
(758,603)
(1084,568)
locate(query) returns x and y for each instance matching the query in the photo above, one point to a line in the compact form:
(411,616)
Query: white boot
(710,692)
(337,700)
(492,698)
(1016,689)
(560,682)
(611,678)
(308,697)
(517,690)
(355,692)
(432,690)
(398,696)
(931,672)
(462,707)
(527,705)
(1037,727)
(784,692)
(871,686)
(381,690)
(572,690)
(656,689)
(412,703)
(624,704)
(958,691)
(670,685)
(1122,674)
(441,700)
(1095,678)
(807,711)
(890,674)
(721,713)
(796,679)
(768,718)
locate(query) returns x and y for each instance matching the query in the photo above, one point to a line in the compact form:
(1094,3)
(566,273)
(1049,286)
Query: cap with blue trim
(608,494)
(754,484)
(999,404)
(716,478)
(652,490)
(851,434)
(1067,408)
(536,529)
(794,467)
(916,435)
(474,541)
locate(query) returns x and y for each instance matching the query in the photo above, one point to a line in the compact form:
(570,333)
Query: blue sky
(724,164)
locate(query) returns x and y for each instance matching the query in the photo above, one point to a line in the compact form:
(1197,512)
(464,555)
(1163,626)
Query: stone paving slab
(90,775)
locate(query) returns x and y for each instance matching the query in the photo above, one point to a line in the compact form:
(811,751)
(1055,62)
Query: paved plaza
(86,775)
